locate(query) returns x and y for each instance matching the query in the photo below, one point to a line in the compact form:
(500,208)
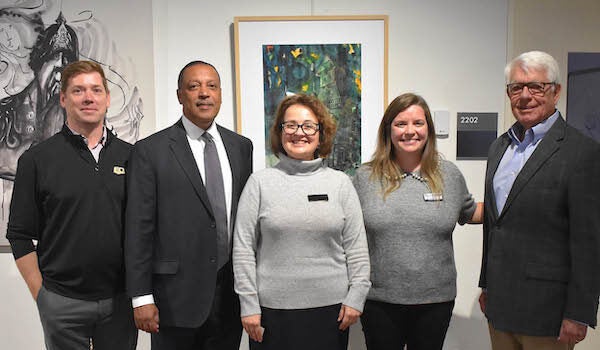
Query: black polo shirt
(74,207)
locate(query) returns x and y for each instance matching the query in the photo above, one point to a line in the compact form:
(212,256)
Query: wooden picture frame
(254,36)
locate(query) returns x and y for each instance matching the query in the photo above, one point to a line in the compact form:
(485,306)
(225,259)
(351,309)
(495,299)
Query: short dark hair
(193,63)
(327,123)
(81,67)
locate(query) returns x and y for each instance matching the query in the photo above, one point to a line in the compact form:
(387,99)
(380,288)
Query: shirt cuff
(142,300)
(579,322)
(249,305)
(21,247)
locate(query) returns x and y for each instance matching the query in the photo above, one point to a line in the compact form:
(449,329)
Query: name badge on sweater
(317,197)
(118,170)
(432,197)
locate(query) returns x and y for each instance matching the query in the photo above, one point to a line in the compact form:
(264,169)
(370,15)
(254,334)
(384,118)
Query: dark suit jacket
(171,237)
(541,255)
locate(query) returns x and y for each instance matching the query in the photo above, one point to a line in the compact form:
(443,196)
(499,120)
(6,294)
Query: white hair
(534,60)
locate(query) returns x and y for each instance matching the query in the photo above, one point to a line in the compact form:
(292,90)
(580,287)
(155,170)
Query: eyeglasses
(535,88)
(308,128)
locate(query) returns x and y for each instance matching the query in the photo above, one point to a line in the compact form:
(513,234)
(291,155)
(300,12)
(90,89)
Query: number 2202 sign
(475,132)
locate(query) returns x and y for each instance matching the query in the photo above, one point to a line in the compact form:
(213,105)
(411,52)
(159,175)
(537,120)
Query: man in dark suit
(178,231)
(542,219)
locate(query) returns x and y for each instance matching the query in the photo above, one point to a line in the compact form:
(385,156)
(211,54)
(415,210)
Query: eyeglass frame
(300,126)
(541,93)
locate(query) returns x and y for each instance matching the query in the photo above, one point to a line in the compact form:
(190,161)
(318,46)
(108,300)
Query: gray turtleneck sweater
(299,239)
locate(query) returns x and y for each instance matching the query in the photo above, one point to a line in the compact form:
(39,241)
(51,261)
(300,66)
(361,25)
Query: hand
(252,326)
(482,301)
(348,316)
(477,217)
(30,270)
(572,332)
(35,290)
(146,318)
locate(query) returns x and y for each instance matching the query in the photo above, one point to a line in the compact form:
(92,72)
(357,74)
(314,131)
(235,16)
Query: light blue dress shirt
(516,155)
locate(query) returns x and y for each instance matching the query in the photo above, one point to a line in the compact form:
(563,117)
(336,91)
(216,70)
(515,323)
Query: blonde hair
(383,164)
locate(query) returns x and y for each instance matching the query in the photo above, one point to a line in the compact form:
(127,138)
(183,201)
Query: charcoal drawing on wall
(37,40)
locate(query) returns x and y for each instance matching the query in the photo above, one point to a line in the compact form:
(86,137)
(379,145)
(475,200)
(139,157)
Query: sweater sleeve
(246,233)
(23,222)
(355,248)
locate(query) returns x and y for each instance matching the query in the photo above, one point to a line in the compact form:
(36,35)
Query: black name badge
(318,197)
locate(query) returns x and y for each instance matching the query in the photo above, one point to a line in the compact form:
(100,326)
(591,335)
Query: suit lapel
(547,147)
(183,154)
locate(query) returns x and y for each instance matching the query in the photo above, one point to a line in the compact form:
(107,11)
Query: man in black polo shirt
(69,196)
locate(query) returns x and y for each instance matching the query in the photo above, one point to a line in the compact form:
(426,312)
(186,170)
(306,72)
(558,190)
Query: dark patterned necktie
(216,195)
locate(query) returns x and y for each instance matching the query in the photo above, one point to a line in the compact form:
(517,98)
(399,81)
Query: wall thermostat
(441,121)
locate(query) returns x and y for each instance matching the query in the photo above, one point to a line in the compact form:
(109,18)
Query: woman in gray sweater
(300,254)
(411,201)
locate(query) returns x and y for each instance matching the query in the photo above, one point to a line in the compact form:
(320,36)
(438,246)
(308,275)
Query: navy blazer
(541,254)
(171,237)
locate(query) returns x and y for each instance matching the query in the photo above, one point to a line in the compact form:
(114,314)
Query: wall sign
(475,133)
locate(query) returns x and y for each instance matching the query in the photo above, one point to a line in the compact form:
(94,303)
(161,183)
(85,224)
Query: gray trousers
(73,324)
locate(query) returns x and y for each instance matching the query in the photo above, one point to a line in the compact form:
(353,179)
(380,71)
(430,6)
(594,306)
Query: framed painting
(340,59)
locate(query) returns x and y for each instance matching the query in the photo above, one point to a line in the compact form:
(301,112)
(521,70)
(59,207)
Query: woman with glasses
(300,253)
(411,201)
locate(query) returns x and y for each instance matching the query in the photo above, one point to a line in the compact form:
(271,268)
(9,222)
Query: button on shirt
(95,150)
(516,155)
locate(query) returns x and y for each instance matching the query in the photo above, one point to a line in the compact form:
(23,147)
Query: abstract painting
(330,72)
(342,60)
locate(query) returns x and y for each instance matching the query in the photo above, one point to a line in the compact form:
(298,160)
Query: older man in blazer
(541,253)
(178,232)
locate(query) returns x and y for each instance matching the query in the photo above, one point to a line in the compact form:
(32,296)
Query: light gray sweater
(410,239)
(292,250)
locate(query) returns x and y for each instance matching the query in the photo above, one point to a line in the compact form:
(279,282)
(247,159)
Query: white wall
(453,53)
